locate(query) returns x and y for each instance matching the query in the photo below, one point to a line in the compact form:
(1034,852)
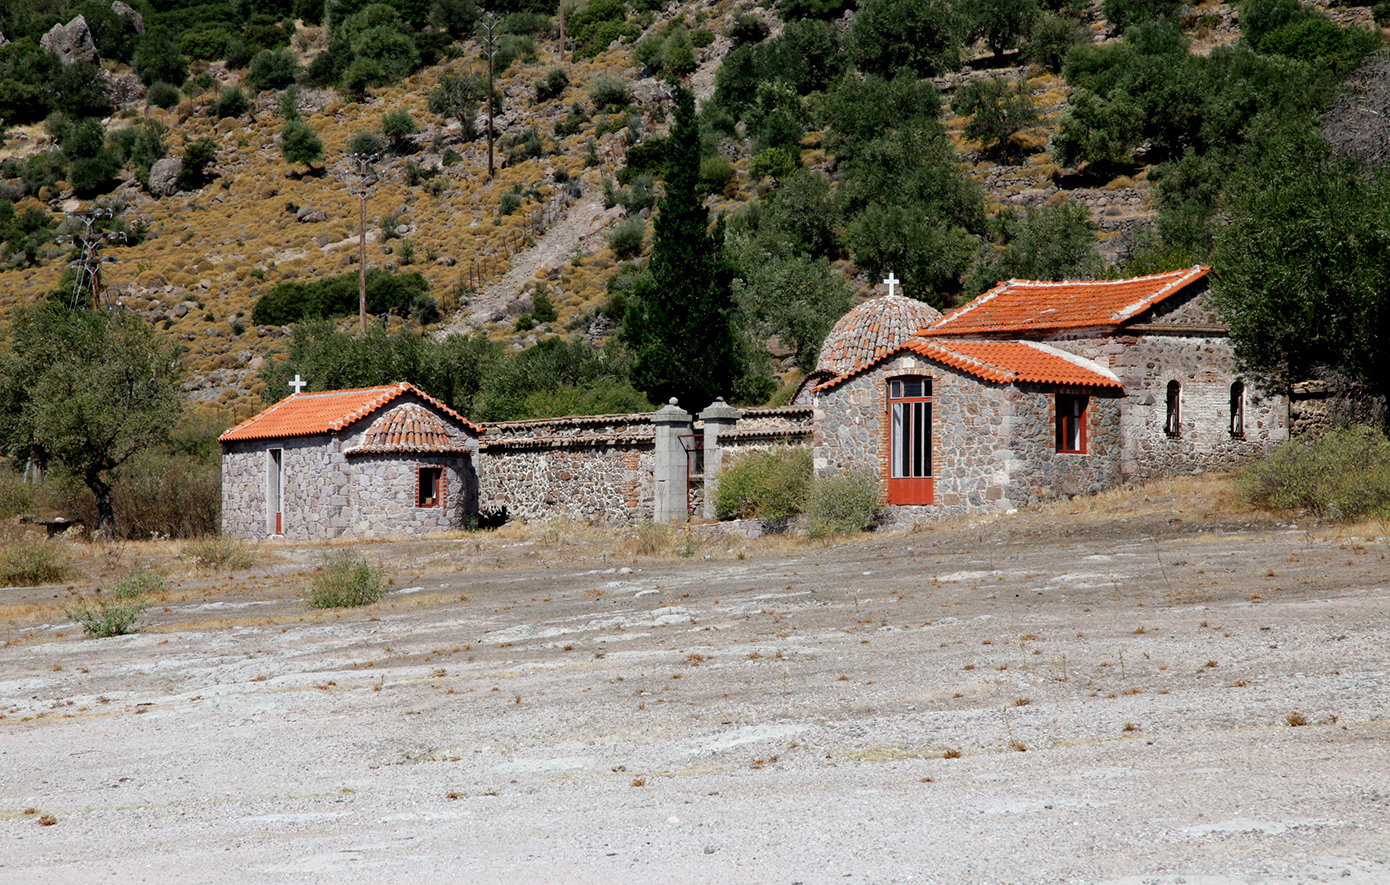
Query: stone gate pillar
(671,470)
(719,418)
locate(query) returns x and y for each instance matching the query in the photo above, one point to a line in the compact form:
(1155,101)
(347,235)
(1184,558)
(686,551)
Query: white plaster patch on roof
(1081,361)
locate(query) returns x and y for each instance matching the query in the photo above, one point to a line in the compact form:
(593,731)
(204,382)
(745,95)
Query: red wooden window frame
(910,480)
(429,487)
(1073,414)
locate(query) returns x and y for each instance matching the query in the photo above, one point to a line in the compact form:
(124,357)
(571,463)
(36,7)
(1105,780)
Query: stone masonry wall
(593,468)
(1205,368)
(993,445)
(327,493)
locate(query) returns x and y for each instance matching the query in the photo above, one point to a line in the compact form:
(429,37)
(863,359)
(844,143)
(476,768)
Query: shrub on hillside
(291,302)
(272,69)
(765,485)
(346,580)
(552,85)
(219,554)
(610,93)
(842,504)
(162,95)
(230,102)
(627,236)
(1344,474)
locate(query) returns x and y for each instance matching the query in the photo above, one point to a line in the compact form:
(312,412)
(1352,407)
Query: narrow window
(911,405)
(909,456)
(1172,422)
(1238,410)
(431,478)
(1071,423)
(274,487)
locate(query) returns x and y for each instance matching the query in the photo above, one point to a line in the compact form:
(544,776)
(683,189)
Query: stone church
(1031,392)
(1034,391)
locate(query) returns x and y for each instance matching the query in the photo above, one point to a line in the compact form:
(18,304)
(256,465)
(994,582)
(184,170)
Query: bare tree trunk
(106,516)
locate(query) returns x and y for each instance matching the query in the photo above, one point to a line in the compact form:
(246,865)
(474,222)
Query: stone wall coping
(806,412)
(571,421)
(775,433)
(567,442)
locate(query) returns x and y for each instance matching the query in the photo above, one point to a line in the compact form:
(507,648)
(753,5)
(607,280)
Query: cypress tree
(680,323)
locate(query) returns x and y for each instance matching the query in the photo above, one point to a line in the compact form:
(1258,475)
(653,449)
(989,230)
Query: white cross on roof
(891,281)
(298,383)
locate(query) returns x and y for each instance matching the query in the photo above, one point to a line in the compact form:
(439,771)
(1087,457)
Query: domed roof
(873,330)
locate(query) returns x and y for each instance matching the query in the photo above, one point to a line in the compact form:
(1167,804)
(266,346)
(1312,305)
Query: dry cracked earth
(1143,689)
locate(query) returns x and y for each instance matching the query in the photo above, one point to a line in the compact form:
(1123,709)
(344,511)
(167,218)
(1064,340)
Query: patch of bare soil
(1148,687)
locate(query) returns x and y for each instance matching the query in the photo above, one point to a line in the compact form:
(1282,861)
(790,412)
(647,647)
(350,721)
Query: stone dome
(873,330)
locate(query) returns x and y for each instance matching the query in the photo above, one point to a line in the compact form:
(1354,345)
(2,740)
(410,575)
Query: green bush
(610,93)
(272,70)
(32,563)
(397,125)
(162,95)
(346,580)
(552,85)
(230,102)
(627,237)
(765,485)
(115,613)
(1382,13)
(367,144)
(1344,474)
(292,302)
(842,504)
(715,173)
(217,554)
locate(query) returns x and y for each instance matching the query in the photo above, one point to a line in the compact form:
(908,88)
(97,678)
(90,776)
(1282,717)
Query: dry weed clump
(346,580)
(218,554)
(31,563)
(117,612)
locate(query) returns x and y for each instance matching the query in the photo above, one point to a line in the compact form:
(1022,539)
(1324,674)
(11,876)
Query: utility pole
(562,31)
(489,25)
(362,186)
(89,260)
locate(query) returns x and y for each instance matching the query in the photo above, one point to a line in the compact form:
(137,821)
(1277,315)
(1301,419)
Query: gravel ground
(1104,696)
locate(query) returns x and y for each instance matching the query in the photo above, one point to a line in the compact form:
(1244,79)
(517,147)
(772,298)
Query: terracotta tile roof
(872,330)
(1019,306)
(408,428)
(328,411)
(1005,362)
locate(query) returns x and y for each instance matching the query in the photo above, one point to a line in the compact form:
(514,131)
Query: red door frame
(909,417)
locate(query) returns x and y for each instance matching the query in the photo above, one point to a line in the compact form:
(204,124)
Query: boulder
(72,42)
(310,215)
(164,176)
(124,89)
(137,20)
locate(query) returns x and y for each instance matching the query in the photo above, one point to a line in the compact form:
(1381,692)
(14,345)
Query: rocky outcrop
(72,42)
(310,215)
(137,21)
(164,176)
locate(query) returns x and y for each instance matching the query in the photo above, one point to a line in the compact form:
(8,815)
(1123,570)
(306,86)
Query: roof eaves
(1078,361)
(1193,273)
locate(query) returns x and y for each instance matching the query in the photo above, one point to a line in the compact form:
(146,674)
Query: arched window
(909,415)
(1238,410)
(1172,423)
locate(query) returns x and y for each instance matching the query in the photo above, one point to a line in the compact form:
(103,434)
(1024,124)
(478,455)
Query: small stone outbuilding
(369,462)
(1037,390)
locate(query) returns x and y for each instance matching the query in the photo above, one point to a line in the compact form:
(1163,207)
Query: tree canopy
(88,390)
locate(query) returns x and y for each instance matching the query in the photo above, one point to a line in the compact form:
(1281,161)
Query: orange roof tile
(1005,362)
(328,411)
(1033,306)
(872,330)
(409,428)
